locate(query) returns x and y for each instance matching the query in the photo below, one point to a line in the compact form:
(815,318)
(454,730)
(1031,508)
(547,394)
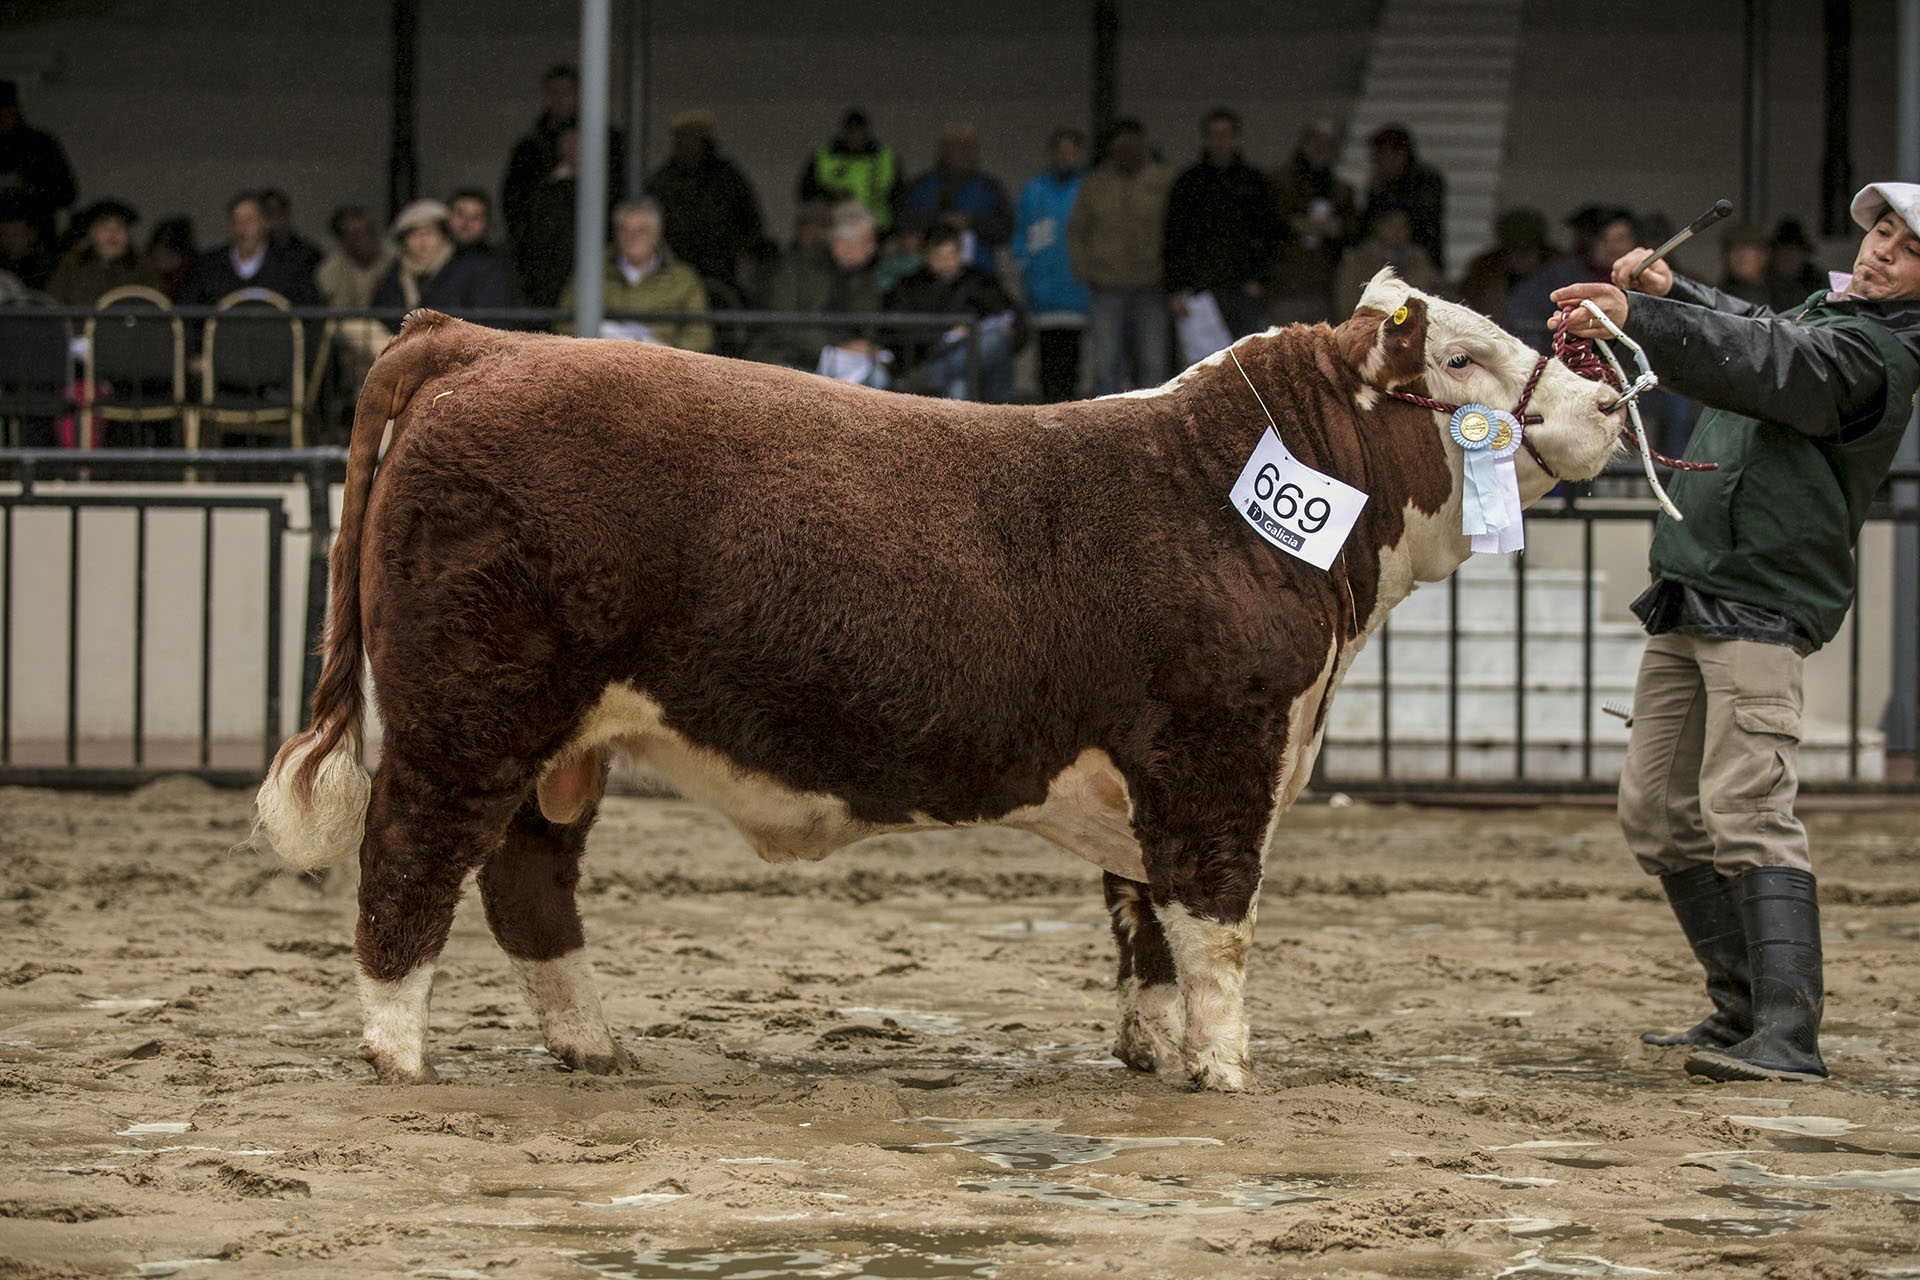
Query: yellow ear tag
(1400,316)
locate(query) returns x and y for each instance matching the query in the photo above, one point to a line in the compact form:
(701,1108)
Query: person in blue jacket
(1055,300)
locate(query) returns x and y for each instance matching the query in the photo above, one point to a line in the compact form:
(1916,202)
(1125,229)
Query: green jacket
(1806,413)
(674,287)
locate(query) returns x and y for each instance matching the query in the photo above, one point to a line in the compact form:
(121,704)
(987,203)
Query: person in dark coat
(1398,176)
(105,258)
(1805,414)
(958,193)
(35,176)
(248,261)
(710,214)
(1222,229)
(430,273)
(947,282)
(536,154)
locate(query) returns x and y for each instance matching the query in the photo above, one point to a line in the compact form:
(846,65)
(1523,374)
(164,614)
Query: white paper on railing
(1303,512)
(1203,330)
(845,365)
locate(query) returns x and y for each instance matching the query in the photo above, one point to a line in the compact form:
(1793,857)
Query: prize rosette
(1490,489)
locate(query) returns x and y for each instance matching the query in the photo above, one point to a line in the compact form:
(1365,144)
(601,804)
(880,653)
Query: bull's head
(1455,355)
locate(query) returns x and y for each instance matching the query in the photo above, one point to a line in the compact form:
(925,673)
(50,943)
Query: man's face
(108,236)
(959,151)
(361,239)
(943,259)
(1747,262)
(560,97)
(1320,144)
(467,220)
(1066,152)
(1614,240)
(247,226)
(1389,160)
(854,249)
(1221,139)
(1888,264)
(639,239)
(1128,150)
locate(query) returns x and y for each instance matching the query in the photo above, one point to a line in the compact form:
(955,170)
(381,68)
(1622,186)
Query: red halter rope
(1579,355)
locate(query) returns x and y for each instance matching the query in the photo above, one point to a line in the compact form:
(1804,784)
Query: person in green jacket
(1805,410)
(641,274)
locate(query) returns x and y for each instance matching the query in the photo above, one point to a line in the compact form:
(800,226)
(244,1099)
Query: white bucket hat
(1877,197)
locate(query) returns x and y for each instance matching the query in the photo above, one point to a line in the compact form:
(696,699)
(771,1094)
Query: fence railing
(1558,737)
(149,626)
(144,624)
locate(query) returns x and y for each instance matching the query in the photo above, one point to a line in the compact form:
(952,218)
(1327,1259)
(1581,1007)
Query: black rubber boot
(1781,909)
(1707,905)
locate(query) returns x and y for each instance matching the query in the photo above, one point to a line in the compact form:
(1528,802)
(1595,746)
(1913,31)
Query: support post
(639,51)
(403,164)
(1106,68)
(1898,722)
(1754,196)
(1836,163)
(590,204)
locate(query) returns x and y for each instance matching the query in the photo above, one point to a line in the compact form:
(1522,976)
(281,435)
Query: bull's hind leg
(527,887)
(421,841)
(1150,1031)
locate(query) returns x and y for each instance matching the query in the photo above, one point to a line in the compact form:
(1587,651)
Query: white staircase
(1556,697)
(1444,69)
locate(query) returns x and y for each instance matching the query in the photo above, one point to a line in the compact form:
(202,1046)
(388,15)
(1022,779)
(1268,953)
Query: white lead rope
(1631,398)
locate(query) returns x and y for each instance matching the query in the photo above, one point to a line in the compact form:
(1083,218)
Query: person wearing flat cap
(428,273)
(104,258)
(1805,409)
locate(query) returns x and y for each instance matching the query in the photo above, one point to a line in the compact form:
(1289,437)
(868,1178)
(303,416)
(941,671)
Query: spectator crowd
(1106,257)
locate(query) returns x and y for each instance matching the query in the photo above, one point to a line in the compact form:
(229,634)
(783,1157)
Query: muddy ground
(894,1064)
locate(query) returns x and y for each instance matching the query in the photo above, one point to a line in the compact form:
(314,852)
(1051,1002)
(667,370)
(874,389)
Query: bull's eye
(1459,360)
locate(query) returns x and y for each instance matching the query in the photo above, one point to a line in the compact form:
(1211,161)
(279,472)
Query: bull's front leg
(1210,956)
(1202,826)
(1151,1027)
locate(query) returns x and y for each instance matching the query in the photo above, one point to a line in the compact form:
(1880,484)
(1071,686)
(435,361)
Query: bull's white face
(1470,359)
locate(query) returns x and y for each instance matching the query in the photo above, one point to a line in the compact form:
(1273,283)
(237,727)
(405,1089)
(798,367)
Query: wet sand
(894,1063)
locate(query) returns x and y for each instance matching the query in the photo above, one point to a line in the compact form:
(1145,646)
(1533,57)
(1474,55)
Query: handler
(1805,411)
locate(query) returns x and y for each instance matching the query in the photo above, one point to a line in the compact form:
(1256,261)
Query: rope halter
(1584,357)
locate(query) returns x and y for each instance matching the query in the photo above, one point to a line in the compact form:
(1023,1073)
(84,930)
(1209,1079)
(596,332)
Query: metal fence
(1376,761)
(141,488)
(93,496)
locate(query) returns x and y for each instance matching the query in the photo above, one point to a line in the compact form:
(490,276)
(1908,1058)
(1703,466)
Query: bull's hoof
(1221,1077)
(389,1070)
(612,1061)
(1145,1044)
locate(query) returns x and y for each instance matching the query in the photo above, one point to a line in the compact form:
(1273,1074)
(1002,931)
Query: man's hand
(1581,324)
(1656,279)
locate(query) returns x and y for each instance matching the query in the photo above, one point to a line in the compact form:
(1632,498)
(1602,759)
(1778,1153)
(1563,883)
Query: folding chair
(136,362)
(36,367)
(253,366)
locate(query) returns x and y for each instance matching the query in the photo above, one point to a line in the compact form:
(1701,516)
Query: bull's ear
(1402,344)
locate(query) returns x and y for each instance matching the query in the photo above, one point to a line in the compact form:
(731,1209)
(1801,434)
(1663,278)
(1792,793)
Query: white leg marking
(567,1002)
(1211,959)
(394,1016)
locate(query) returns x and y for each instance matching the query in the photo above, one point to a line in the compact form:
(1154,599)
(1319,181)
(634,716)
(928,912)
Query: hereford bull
(831,612)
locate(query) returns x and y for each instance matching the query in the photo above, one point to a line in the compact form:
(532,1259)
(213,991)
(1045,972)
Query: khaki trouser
(1709,775)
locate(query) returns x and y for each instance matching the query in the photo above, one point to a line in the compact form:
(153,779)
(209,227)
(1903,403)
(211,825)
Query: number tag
(1299,510)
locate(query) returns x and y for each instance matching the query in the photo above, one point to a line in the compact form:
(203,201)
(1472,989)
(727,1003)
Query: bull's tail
(313,805)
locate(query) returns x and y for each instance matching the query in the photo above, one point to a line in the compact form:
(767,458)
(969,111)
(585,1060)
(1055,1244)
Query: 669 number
(1285,500)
